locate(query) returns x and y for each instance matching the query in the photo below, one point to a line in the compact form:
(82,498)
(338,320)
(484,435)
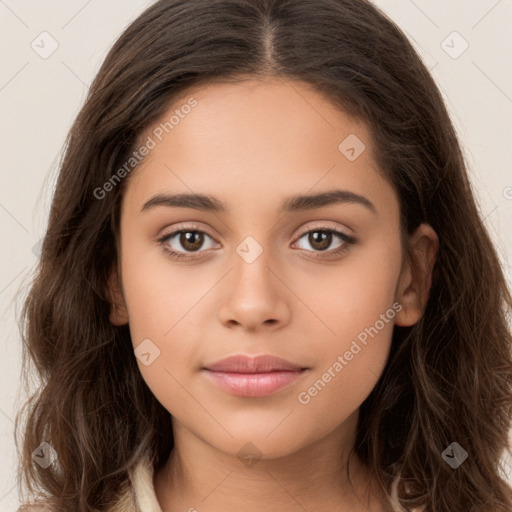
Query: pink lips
(253,376)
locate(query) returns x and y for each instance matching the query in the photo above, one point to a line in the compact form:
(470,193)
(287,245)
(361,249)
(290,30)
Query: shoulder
(34,507)
(137,493)
(142,479)
(123,504)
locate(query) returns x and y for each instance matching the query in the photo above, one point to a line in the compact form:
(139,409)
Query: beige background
(40,97)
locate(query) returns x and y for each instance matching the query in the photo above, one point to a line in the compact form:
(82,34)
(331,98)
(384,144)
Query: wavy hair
(448,377)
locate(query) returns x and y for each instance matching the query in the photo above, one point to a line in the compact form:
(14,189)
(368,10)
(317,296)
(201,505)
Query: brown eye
(191,240)
(320,240)
(184,242)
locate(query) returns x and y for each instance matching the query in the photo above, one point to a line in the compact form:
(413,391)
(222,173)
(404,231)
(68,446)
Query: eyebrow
(207,203)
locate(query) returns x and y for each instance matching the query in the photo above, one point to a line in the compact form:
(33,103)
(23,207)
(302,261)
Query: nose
(257,298)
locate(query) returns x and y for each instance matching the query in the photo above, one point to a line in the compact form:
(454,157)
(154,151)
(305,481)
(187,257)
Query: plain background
(39,99)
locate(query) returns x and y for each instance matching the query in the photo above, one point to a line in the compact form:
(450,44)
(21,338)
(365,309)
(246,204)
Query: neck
(198,476)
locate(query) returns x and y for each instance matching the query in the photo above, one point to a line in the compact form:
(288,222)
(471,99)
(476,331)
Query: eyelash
(349,240)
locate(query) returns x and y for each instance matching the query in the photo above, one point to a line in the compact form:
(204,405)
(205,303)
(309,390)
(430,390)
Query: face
(318,283)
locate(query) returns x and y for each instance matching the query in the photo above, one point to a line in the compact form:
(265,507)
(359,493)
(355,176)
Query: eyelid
(187,227)
(318,225)
(322,226)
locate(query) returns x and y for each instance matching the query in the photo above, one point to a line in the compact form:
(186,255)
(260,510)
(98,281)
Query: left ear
(416,276)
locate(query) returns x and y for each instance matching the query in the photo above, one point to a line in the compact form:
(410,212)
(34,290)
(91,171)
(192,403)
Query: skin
(252,145)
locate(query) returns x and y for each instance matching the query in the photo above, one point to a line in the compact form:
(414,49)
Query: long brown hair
(448,378)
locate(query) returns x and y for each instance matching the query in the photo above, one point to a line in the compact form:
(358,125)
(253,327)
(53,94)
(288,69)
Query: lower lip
(254,384)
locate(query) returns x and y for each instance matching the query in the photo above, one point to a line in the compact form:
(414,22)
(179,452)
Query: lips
(259,364)
(253,376)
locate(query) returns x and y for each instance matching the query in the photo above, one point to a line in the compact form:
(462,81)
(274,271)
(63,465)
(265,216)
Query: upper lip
(260,364)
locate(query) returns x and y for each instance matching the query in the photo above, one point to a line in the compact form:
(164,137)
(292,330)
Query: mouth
(260,376)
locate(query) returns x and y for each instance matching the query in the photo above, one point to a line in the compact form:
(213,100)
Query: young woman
(265,284)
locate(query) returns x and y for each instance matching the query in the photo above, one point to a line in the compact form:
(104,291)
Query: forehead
(256,138)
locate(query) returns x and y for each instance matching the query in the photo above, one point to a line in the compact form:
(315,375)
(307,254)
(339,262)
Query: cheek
(354,313)
(163,303)
(348,362)
(160,295)
(351,296)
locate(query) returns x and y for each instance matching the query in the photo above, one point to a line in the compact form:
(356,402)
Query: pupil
(324,239)
(187,240)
